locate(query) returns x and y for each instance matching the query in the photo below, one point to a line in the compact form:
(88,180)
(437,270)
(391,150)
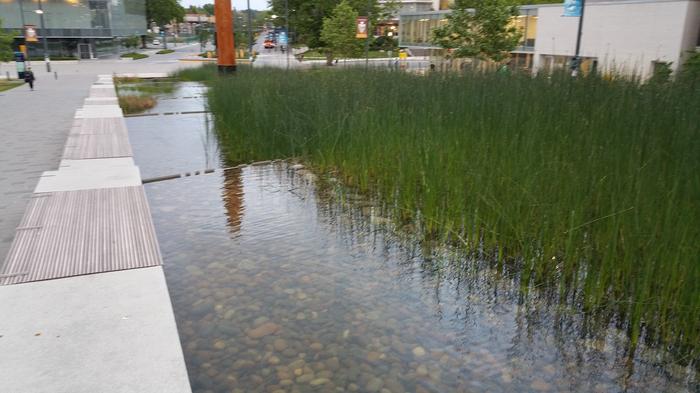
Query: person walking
(29,77)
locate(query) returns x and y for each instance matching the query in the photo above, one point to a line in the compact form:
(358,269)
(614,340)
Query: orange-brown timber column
(224,36)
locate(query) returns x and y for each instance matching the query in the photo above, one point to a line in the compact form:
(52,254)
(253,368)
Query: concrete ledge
(143,75)
(85,177)
(109,332)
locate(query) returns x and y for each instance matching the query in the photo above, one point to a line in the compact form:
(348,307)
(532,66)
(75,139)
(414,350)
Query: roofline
(590,3)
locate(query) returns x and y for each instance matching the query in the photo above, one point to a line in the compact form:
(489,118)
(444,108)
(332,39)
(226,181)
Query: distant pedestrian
(29,77)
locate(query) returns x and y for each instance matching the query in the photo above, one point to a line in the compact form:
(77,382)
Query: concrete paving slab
(93,111)
(84,178)
(102,101)
(143,75)
(108,333)
(97,163)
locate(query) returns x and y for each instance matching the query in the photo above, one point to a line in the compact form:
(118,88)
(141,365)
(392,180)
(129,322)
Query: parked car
(155,42)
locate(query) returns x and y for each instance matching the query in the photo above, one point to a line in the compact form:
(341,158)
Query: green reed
(586,187)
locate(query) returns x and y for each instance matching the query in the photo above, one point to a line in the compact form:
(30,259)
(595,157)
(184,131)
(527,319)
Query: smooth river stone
(263,330)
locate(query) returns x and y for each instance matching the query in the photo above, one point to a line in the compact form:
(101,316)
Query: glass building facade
(415,32)
(76,27)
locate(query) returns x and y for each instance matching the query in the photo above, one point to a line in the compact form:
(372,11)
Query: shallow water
(281,284)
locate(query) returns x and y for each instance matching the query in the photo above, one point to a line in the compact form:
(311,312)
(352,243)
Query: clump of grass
(585,187)
(131,104)
(149,87)
(134,55)
(205,73)
(165,51)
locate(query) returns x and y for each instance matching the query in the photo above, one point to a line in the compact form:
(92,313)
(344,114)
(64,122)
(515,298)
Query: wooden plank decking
(73,233)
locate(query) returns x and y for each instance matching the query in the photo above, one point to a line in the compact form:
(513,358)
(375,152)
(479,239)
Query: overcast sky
(237,4)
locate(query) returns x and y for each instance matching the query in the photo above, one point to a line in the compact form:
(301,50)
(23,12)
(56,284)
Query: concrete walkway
(75,321)
(35,124)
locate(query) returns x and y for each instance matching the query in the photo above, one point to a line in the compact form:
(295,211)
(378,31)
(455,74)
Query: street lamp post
(47,60)
(286,27)
(250,31)
(576,61)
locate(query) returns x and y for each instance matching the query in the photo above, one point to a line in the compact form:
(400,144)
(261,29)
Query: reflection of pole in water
(207,133)
(233,198)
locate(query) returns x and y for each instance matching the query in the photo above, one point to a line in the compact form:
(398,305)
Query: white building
(626,36)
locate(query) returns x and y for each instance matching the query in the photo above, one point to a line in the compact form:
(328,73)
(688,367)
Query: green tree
(480,29)
(306,16)
(6,41)
(131,42)
(338,33)
(164,11)
(208,9)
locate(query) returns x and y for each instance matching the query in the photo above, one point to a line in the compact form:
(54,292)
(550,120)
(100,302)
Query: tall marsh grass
(585,187)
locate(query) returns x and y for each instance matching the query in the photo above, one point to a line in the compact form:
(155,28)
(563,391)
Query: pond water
(283,283)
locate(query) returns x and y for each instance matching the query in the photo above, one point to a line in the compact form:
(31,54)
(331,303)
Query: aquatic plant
(587,188)
(131,104)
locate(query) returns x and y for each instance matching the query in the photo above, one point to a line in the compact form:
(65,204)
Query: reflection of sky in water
(278,286)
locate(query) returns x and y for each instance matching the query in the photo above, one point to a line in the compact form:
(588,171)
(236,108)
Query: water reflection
(232,195)
(318,294)
(281,282)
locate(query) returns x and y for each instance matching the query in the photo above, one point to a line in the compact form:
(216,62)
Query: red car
(268,44)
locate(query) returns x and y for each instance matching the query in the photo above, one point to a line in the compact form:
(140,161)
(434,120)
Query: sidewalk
(35,125)
(83,294)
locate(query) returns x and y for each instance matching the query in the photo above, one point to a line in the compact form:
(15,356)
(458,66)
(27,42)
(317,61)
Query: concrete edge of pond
(67,327)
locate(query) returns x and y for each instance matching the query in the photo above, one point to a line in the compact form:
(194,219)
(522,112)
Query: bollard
(55,75)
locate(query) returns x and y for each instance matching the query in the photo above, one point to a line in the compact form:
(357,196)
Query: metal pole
(24,32)
(286,28)
(369,32)
(250,31)
(576,63)
(47,60)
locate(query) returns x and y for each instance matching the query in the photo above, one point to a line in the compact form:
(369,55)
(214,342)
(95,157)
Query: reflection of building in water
(232,195)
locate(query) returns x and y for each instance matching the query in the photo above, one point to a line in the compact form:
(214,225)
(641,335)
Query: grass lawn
(134,55)
(164,51)
(7,85)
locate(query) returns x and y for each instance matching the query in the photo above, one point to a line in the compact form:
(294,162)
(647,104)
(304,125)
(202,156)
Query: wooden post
(224,36)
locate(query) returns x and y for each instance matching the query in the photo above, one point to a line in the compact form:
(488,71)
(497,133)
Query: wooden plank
(72,233)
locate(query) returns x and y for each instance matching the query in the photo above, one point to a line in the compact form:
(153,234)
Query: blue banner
(572,8)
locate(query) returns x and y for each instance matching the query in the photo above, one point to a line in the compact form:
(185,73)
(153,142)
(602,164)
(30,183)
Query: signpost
(19,63)
(30,34)
(576,8)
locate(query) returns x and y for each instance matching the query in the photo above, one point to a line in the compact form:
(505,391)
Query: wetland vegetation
(585,189)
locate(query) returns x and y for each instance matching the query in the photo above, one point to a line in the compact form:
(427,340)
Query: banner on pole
(572,8)
(361,27)
(30,33)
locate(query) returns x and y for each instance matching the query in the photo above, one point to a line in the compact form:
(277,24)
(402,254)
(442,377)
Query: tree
(480,29)
(306,16)
(208,9)
(131,42)
(6,40)
(164,11)
(338,33)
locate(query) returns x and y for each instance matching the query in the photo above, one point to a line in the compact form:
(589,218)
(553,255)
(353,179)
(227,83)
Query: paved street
(35,124)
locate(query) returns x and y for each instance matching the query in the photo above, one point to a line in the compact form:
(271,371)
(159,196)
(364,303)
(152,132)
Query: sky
(237,4)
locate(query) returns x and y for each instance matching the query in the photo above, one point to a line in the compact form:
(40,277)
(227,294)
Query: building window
(99,14)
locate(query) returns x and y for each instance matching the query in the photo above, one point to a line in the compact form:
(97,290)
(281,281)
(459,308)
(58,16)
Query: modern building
(79,28)
(631,37)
